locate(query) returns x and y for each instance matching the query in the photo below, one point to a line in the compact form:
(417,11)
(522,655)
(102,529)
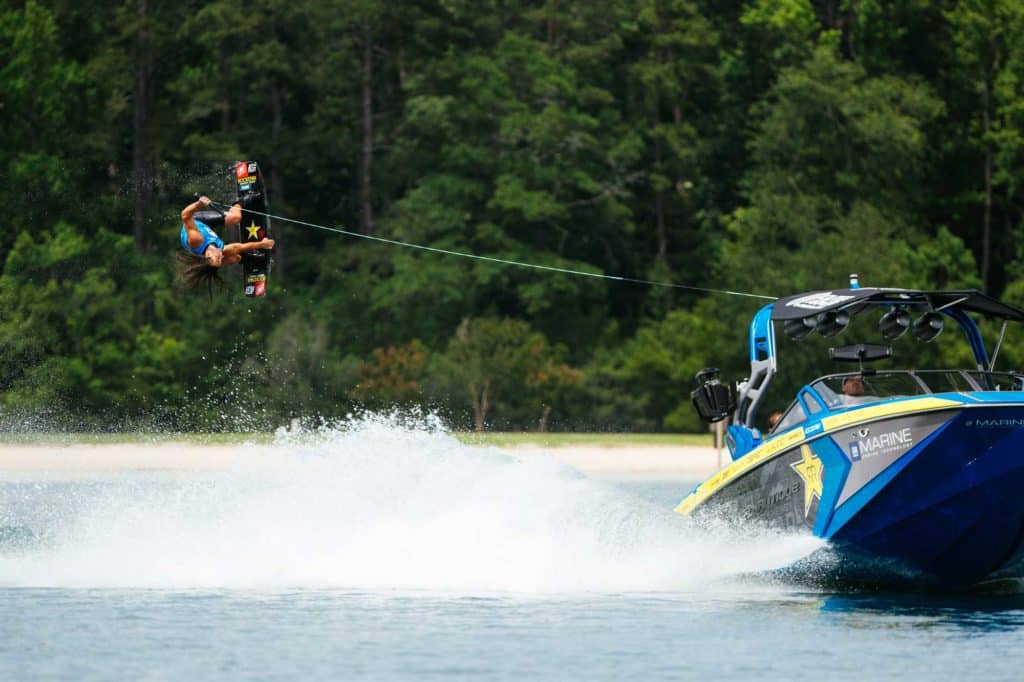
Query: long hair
(196,271)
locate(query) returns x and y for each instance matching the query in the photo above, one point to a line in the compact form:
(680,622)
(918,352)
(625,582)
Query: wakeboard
(252,194)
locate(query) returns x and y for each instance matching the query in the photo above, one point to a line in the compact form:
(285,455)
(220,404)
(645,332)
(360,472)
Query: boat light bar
(929,326)
(799,328)
(894,324)
(832,323)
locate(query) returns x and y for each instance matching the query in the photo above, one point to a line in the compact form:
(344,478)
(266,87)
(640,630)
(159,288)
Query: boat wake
(378,503)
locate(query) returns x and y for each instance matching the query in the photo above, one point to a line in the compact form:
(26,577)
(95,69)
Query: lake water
(384,552)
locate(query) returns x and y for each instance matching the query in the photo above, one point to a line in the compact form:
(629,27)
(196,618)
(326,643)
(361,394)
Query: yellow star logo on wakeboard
(810,470)
(253,231)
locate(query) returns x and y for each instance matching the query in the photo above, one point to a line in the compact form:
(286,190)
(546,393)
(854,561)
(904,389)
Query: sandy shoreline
(69,461)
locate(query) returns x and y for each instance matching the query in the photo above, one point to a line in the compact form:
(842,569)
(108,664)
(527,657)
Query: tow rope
(505,261)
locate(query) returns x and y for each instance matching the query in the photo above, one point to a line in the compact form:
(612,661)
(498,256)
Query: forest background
(765,146)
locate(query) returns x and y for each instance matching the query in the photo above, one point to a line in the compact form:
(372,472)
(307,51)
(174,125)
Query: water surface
(384,552)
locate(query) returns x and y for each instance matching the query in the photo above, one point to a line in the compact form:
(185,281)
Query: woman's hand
(267,244)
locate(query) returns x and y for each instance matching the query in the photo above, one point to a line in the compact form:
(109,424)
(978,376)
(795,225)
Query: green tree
(988,39)
(394,376)
(673,76)
(838,158)
(301,370)
(46,100)
(520,147)
(497,363)
(70,332)
(644,385)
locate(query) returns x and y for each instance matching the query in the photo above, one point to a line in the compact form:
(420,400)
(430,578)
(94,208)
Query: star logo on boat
(810,470)
(253,230)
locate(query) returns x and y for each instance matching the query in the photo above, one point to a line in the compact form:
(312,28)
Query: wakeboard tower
(255,226)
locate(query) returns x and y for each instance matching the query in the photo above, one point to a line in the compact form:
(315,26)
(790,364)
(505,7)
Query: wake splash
(379,504)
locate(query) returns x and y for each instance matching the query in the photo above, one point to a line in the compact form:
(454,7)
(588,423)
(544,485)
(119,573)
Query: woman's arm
(233,252)
(190,210)
(194,237)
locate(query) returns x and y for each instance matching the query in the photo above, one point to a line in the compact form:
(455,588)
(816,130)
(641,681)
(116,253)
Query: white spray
(376,504)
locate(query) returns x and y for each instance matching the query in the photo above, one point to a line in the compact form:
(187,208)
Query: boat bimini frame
(829,313)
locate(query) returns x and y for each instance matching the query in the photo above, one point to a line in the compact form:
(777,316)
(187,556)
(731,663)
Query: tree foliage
(753,145)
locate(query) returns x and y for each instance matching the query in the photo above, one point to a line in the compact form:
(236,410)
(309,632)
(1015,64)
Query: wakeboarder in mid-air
(205,252)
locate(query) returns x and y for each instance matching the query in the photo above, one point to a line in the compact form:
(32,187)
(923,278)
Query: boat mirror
(712,399)
(861,352)
(894,324)
(832,323)
(798,329)
(928,326)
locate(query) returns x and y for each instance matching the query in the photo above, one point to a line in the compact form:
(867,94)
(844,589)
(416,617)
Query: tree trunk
(140,123)
(481,405)
(366,162)
(225,113)
(544,417)
(839,15)
(659,212)
(276,186)
(986,235)
(661,232)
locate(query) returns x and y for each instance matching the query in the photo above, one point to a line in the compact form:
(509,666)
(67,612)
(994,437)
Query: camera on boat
(713,400)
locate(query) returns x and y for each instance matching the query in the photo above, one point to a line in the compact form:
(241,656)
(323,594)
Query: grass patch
(133,437)
(491,439)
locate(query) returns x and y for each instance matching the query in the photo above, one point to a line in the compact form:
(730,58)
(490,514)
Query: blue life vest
(209,237)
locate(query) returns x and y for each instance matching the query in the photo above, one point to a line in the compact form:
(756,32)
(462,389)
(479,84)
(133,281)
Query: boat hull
(952,509)
(929,496)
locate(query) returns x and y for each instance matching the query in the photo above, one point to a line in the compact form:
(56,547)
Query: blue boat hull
(951,511)
(929,496)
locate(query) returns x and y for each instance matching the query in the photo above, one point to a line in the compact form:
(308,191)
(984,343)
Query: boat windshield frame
(942,381)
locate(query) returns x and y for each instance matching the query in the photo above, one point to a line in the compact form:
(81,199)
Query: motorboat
(909,475)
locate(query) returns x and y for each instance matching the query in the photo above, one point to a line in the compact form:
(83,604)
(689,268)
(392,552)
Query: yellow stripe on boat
(792,438)
(741,466)
(886,410)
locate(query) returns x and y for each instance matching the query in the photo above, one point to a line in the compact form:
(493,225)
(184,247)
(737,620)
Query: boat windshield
(997,381)
(842,391)
(847,390)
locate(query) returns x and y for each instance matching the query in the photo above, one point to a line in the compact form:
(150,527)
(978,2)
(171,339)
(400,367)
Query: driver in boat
(853,390)
(205,252)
